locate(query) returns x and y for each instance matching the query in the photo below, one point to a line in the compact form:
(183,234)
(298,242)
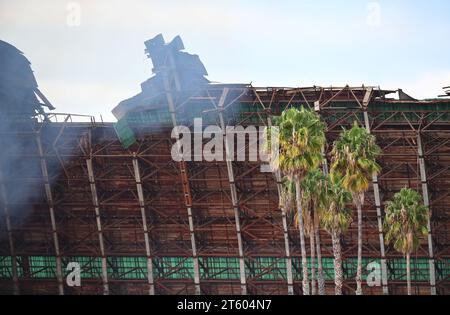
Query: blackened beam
(99,224)
(49,197)
(137,176)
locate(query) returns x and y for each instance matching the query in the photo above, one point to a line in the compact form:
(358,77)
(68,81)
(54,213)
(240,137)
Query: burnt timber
(123,213)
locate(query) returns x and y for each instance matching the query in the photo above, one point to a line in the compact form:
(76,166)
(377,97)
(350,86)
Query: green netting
(251,114)
(6,267)
(410,106)
(206,111)
(436,111)
(219,268)
(443,269)
(186,114)
(127,267)
(173,268)
(42,266)
(327,266)
(266,268)
(350,265)
(91,267)
(124,132)
(419,269)
(161,115)
(254,114)
(20,272)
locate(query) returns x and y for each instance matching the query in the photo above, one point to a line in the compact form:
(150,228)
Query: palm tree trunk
(359,268)
(408,272)
(301,228)
(338,274)
(313,261)
(320,277)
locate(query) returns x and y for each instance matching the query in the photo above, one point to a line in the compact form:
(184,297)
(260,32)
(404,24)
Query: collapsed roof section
(179,87)
(174,70)
(19,91)
(183,75)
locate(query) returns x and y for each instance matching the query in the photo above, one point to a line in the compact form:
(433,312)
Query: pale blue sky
(90,68)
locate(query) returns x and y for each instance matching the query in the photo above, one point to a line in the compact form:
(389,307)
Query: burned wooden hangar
(111,198)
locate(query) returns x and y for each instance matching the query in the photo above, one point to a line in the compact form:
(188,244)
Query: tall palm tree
(301,139)
(287,197)
(405,222)
(354,158)
(309,231)
(335,219)
(313,186)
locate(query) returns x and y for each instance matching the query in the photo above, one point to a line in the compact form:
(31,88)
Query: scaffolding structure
(113,199)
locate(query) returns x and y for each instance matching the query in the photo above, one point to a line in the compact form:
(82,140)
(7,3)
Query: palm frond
(406,221)
(354,157)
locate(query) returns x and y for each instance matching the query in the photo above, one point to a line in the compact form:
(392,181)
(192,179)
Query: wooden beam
(376,192)
(289,278)
(44,99)
(49,197)
(137,176)
(99,225)
(187,197)
(234,197)
(15,277)
(426,201)
(278,178)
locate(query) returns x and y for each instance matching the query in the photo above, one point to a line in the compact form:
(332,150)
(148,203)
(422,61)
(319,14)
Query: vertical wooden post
(15,277)
(234,197)
(137,176)
(48,194)
(376,192)
(99,225)
(184,178)
(426,201)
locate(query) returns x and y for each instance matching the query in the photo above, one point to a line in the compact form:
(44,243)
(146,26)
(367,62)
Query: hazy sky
(89,68)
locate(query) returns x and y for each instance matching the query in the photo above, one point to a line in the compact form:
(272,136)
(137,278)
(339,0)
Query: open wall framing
(131,216)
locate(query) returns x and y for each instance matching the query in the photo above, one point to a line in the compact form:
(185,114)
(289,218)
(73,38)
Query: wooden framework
(49,197)
(376,195)
(233,192)
(14,275)
(163,227)
(148,252)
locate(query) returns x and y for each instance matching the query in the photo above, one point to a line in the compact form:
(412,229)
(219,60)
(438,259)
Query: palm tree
(313,186)
(287,197)
(354,158)
(309,231)
(405,222)
(335,219)
(301,139)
